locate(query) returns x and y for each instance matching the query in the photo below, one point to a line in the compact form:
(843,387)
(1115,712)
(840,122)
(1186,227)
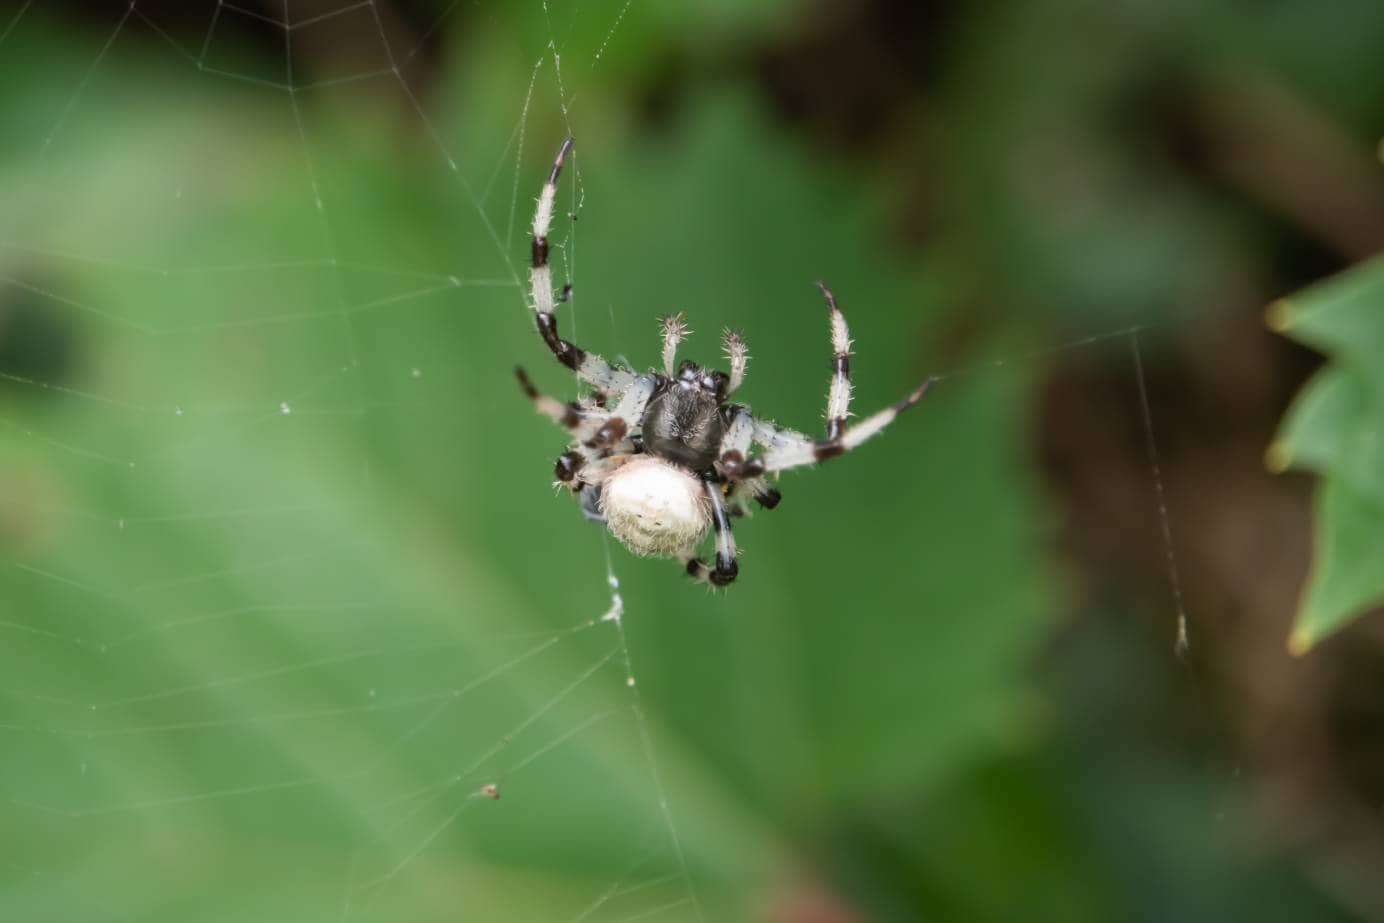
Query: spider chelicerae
(663,458)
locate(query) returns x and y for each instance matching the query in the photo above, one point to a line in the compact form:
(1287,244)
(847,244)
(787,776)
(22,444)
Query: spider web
(250,688)
(204,725)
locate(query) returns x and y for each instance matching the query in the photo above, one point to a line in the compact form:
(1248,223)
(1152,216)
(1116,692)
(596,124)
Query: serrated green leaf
(1347,576)
(1336,428)
(1342,316)
(1333,428)
(1314,432)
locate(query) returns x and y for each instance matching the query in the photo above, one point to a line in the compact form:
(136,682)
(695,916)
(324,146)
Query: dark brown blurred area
(1303,734)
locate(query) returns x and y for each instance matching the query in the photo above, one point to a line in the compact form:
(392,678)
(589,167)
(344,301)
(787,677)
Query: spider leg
(674,328)
(738,494)
(765,494)
(725,571)
(588,366)
(569,415)
(790,449)
(583,471)
(737,354)
(584,466)
(743,474)
(626,415)
(589,496)
(839,393)
(587,480)
(735,444)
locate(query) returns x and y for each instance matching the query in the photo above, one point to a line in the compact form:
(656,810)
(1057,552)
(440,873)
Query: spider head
(682,422)
(693,377)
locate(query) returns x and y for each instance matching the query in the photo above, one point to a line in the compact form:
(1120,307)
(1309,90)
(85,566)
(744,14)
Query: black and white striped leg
(735,445)
(726,569)
(573,468)
(741,471)
(568,415)
(626,414)
(584,472)
(739,494)
(790,449)
(568,468)
(588,366)
(589,461)
(765,494)
(839,392)
(738,355)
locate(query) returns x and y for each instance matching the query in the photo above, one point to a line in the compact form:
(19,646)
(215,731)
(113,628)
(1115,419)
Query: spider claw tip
(674,324)
(917,393)
(826,293)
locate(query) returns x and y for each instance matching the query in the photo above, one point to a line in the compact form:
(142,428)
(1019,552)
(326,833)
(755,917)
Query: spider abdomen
(654,507)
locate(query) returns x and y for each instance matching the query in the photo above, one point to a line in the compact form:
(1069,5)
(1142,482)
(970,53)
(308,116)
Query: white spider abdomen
(655,507)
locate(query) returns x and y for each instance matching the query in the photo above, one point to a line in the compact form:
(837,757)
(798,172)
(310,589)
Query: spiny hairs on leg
(674,329)
(839,393)
(738,355)
(791,450)
(588,366)
(540,276)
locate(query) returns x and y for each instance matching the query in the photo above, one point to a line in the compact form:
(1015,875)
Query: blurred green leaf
(312,510)
(1347,578)
(1318,430)
(1336,428)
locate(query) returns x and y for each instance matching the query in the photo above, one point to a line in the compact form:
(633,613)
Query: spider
(661,458)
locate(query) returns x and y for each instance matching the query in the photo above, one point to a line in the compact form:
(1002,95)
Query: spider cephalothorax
(663,458)
(684,420)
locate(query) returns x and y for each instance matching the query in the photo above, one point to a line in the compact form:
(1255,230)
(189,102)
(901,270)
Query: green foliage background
(284,585)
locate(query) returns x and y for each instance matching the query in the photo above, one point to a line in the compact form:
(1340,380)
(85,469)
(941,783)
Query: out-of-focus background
(292,626)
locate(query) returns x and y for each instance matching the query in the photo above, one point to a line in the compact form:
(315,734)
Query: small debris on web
(617,603)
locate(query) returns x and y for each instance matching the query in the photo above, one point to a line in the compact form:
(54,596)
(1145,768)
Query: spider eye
(687,370)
